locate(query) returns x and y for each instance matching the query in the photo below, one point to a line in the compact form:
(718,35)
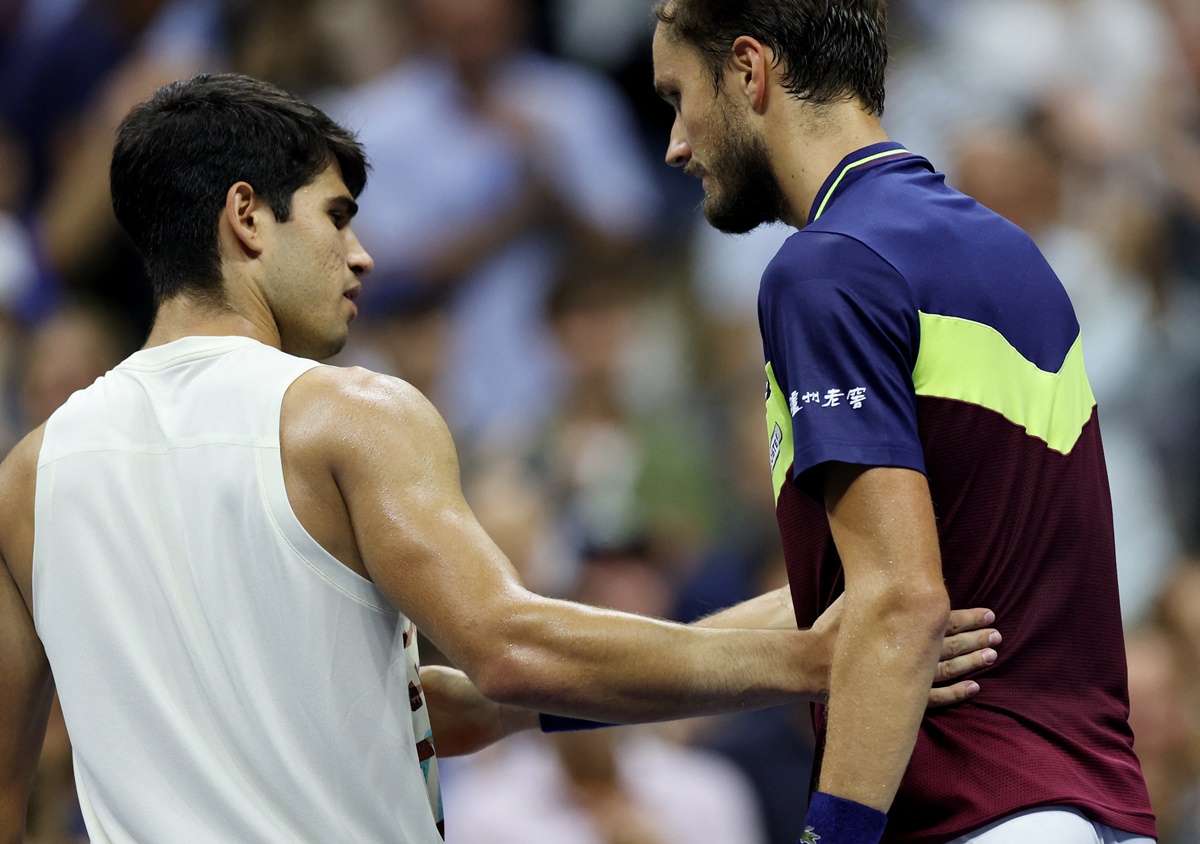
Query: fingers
(972,619)
(973,640)
(949,669)
(957,693)
(965,648)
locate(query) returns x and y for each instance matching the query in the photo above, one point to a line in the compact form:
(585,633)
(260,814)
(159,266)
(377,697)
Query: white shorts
(1049,825)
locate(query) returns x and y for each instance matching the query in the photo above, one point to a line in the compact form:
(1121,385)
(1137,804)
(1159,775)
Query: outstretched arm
(464,721)
(396,473)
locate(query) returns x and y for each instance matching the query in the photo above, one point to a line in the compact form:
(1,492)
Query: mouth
(350,295)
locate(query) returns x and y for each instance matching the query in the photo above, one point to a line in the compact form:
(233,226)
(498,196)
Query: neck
(809,142)
(187,316)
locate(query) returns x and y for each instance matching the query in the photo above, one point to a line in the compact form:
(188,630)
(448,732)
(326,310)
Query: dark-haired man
(221,548)
(933,440)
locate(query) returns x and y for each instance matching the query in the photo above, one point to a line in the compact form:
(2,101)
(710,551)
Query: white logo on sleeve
(855,398)
(776,441)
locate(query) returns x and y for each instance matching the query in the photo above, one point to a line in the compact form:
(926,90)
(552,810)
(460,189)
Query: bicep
(883,524)
(419,540)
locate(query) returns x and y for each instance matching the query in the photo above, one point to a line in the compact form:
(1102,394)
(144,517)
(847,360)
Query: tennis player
(932,437)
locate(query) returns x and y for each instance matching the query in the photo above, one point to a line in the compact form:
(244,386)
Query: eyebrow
(344,204)
(666,91)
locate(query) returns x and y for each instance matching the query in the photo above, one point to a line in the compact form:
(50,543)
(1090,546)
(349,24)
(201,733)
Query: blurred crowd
(549,283)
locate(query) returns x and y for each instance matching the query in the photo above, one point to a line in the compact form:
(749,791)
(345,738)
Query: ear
(751,64)
(244,216)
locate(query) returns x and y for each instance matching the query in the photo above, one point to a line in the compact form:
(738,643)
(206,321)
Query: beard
(744,192)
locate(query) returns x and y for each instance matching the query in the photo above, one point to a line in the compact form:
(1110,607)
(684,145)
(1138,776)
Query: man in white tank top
(223,549)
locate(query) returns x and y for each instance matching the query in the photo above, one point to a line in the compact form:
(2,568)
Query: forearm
(590,663)
(883,666)
(771,610)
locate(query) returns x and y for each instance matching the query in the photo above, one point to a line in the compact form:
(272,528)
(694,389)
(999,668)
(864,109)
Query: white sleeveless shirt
(223,678)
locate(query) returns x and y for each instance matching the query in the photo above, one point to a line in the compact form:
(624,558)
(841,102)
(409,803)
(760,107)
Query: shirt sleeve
(840,333)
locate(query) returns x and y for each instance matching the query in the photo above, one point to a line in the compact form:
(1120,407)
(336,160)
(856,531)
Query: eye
(340,220)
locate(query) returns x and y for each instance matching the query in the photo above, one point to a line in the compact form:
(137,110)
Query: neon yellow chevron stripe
(847,169)
(779,419)
(972,362)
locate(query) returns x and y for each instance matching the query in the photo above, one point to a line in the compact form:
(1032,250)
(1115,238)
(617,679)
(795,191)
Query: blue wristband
(563,724)
(841,821)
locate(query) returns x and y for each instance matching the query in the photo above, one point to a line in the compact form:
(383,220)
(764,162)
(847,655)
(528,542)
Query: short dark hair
(178,153)
(830,50)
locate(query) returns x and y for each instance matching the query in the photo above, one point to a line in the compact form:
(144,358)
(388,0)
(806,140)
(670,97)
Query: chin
(317,348)
(333,348)
(736,219)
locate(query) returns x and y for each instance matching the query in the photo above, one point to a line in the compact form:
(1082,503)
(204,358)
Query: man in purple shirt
(933,442)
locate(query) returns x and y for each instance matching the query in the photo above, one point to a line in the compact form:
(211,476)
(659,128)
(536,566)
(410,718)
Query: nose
(679,151)
(357,257)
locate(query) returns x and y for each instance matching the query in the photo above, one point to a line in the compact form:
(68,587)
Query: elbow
(516,662)
(926,612)
(512,676)
(934,610)
(496,679)
(919,612)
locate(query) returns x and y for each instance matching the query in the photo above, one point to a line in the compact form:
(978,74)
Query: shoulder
(352,409)
(818,267)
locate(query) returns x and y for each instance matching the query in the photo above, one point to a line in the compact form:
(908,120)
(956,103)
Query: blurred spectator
(73,71)
(1162,714)
(307,46)
(518,510)
(1179,150)
(1179,608)
(1097,61)
(1180,137)
(615,786)
(67,352)
(726,270)
(629,445)
(489,160)
(18,275)
(608,35)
